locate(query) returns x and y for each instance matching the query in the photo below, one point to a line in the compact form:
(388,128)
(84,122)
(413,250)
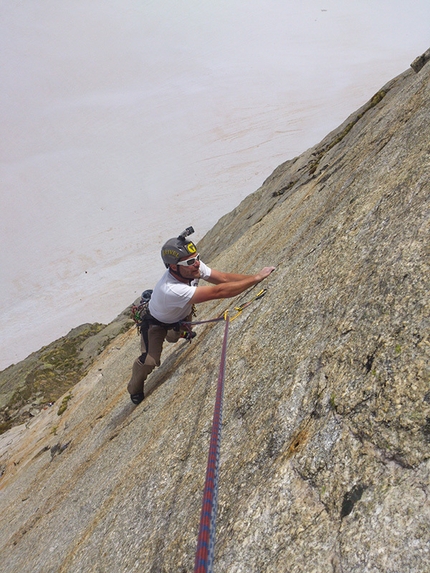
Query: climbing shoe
(137,398)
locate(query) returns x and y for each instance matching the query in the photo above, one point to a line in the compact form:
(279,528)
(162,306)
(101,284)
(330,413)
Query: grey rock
(421,61)
(325,441)
(55,368)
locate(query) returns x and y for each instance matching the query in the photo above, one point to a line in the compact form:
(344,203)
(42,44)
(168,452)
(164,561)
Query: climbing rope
(239,310)
(206,539)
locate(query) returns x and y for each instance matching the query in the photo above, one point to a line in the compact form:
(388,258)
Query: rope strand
(206,539)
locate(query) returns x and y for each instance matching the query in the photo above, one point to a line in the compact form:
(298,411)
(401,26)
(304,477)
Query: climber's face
(188,267)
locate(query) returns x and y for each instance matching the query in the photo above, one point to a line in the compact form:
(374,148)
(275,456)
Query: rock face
(36,382)
(326,429)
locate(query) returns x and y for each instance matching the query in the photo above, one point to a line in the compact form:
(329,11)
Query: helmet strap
(177,275)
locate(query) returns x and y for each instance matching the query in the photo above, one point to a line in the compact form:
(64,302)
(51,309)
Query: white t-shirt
(170,301)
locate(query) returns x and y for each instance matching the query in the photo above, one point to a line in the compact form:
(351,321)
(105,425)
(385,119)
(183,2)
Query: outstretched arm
(218,277)
(228,288)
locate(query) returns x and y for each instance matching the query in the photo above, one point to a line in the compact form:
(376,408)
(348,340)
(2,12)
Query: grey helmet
(178,248)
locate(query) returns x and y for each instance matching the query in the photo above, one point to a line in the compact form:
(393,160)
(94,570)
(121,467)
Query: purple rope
(202,321)
(206,539)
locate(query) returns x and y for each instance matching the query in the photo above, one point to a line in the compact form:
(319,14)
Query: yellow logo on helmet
(171,252)
(191,248)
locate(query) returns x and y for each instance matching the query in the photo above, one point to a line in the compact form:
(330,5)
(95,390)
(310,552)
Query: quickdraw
(244,305)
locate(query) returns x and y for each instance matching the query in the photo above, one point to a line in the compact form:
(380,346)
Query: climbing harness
(206,539)
(139,311)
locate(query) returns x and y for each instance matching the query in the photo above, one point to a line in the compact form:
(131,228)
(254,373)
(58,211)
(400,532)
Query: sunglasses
(189,262)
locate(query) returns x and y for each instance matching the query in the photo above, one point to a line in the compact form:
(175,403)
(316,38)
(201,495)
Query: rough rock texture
(325,446)
(36,382)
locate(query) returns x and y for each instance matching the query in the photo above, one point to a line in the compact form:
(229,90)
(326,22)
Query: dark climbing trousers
(151,356)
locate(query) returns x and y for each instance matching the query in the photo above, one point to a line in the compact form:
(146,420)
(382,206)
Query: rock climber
(172,302)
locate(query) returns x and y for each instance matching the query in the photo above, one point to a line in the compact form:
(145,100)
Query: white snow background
(124,122)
